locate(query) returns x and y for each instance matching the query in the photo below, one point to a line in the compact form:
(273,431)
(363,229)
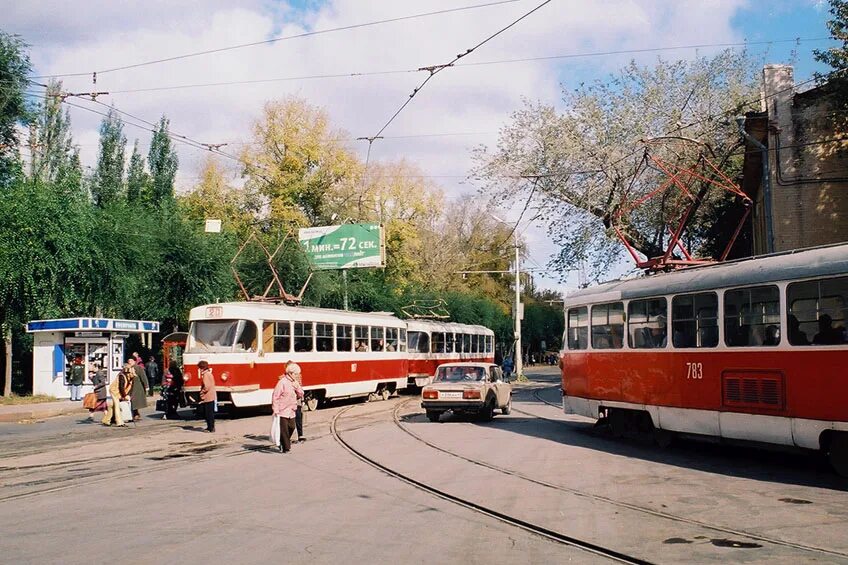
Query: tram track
(611,501)
(545,533)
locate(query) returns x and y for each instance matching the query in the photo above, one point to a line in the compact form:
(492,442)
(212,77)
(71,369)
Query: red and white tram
(746,350)
(433,343)
(341,354)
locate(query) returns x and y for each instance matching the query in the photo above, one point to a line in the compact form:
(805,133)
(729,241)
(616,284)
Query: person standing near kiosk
(76,374)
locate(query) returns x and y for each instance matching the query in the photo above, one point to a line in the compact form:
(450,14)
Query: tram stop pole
(519,356)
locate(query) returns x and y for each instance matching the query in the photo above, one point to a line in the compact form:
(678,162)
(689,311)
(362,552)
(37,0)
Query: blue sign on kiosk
(56,343)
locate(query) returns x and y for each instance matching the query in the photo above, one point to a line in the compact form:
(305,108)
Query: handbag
(89,401)
(161,405)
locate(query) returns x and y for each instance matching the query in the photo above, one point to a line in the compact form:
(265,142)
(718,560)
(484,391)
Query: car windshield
(460,374)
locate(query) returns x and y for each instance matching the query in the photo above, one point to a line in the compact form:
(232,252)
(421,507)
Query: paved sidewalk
(40,410)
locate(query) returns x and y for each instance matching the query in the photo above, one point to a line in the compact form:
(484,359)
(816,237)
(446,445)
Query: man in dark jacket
(152,374)
(138,395)
(76,374)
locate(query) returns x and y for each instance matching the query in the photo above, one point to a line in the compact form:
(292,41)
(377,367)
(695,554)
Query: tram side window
(608,326)
(694,320)
(817,312)
(646,323)
(475,343)
(344,337)
(402,340)
(438,342)
(752,316)
(282,336)
(490,344)
(466,343)
(247,337)
(419,342)
(323,337)
(376,339)
(302,336)
(449,343)
(578,328)
(391,339)
(361,343)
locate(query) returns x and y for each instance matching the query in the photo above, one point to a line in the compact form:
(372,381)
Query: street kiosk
(56,343)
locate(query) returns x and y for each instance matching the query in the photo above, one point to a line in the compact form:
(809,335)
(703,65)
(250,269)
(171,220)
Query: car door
(497,380)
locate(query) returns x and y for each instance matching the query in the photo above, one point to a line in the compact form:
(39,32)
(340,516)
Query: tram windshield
(221,336)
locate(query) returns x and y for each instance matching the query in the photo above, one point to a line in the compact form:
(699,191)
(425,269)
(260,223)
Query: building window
(344,338)
(377,339)
(361,344)
(282,336)
(646,324)
(608,326)
(303,336)
(578,328)
(817,312)
(694,320)
(324,337)
(752,316)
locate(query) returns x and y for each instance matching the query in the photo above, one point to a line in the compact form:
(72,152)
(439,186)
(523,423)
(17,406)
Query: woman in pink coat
(284,403)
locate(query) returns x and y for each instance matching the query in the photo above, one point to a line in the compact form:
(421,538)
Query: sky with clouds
(470,101)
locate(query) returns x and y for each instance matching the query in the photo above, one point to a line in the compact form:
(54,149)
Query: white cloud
(81,37)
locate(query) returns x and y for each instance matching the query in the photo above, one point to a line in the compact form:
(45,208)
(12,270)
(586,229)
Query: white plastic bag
(274,436)
(126,411)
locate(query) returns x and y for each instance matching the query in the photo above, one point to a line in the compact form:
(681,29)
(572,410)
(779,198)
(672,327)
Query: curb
(36,414)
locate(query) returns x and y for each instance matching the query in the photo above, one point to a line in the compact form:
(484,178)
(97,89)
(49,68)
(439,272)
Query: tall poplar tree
(163,162)
(55,161)
(109,176)
(138,180)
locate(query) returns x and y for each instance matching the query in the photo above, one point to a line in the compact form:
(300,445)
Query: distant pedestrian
(293,369)
(284,403)
(138,396)
(207,394)
(507,366)
(173,391)
(101,390)
(76,375)
(119,389)
(152,370)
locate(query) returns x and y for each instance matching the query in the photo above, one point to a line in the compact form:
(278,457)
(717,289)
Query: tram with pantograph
(752,350)
(342,354)
(432,343)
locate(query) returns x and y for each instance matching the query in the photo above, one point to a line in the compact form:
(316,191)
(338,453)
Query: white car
(471,388)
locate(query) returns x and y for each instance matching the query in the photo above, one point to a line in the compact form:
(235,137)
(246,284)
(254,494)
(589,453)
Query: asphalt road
(74,492)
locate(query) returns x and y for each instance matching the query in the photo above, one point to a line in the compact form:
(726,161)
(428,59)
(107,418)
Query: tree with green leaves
(836,57)
(163,162)
(108,183)
(138,180)
(14,69)
(578,167)
(54,158)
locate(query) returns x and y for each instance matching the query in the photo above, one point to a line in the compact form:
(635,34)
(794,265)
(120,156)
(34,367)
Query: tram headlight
(225,375)
(471,394)
(430,394)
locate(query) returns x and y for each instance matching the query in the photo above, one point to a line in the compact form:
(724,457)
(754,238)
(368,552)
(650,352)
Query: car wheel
(433,416)
(488,411)
(508,408)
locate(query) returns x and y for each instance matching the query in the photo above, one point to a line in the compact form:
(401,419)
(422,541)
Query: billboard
(347,246)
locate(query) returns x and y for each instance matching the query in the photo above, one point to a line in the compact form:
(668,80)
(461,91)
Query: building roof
(92,325)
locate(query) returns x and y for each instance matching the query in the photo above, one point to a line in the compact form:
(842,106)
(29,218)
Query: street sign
(213,226)
(347,246)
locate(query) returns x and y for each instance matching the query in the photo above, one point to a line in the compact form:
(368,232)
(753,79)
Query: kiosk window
(817,312)
(302,336)
(578,328)
(344,338)
(752,316)
(608,326)
(694,320)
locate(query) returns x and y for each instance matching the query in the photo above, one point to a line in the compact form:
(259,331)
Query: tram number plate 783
(694,370)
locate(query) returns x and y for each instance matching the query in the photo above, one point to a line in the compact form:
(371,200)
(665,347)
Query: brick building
(801,191)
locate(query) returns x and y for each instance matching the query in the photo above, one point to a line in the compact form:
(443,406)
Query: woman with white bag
(284,402)
(118,390)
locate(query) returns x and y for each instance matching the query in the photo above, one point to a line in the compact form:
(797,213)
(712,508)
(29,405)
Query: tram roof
(790,265)
(265,310)
(436,325)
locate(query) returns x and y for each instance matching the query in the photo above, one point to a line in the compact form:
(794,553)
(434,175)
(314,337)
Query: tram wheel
(385,393)
(372,396)
(838,453)
(311,404)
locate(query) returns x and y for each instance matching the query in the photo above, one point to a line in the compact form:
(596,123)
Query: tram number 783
(694,370)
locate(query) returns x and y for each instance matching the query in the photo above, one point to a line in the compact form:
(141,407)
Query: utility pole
(519,354)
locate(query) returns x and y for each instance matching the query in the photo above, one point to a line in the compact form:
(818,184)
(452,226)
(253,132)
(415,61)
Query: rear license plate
(450,395)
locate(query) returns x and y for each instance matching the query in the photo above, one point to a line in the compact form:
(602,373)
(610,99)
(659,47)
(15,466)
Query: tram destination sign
(348,246)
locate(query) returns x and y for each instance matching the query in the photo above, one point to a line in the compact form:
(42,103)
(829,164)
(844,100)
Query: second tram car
(433,343)
(750,350)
